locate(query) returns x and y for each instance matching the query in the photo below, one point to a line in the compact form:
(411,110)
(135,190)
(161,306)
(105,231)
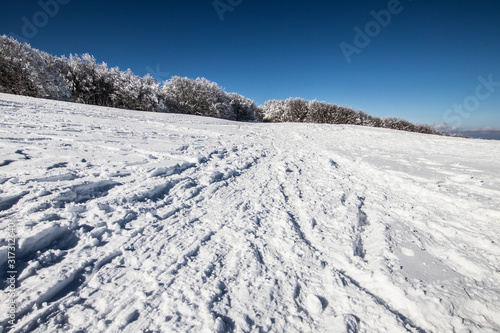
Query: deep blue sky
(427,59)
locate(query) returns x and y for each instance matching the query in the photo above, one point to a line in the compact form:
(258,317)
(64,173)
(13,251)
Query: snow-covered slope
(144,222)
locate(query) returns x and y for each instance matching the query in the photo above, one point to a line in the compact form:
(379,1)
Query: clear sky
(421,63)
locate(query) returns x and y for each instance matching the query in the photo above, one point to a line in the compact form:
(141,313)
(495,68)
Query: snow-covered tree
(30,72)
(290,110)
(90,83)
(299,110)
(243,108)
(296,110)
(136,93)
(274,110)
(200,97)
(398,124)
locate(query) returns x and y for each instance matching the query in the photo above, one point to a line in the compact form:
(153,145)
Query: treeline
(30,72)
(300,110)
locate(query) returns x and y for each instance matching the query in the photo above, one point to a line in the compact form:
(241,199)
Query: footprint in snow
(316,304)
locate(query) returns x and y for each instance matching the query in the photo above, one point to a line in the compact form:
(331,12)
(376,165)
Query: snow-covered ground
(145,222)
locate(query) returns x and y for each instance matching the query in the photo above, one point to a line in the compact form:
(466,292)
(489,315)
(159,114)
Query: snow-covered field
(145,222)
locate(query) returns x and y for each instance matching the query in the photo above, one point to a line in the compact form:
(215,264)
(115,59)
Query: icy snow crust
(144,222)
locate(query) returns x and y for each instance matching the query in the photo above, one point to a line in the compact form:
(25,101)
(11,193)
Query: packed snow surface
(145,222)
